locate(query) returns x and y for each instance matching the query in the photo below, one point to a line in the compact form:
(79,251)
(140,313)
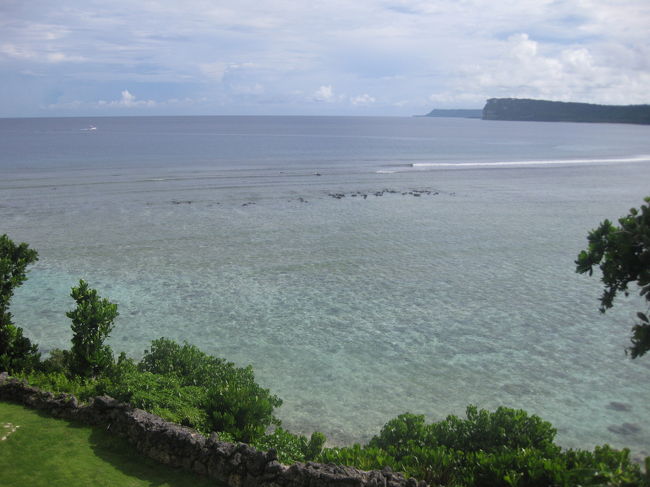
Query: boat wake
(640,158)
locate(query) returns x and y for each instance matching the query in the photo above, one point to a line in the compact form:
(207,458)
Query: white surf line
(532,163)
(12,429)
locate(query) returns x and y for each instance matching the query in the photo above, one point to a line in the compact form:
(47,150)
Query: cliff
(556,111)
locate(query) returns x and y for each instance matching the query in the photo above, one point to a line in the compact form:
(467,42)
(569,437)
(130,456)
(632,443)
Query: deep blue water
(451,282)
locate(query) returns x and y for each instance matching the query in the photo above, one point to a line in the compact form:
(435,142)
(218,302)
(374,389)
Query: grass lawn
(42,451)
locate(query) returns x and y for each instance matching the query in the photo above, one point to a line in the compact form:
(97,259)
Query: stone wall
(232,464)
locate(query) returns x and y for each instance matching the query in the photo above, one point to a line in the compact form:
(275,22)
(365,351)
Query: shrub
(163,395)
(292,448)
(177,382)
(60,382)
(436,465)
(505,448)
(315,445)
(365,458)
(492,431)
(58,361)
(233,401)
(241,407)
(18,351)
(400,435)
(186,362)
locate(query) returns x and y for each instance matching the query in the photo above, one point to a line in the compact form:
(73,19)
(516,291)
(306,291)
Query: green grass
(45,451)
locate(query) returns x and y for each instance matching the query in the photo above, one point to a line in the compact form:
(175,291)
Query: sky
(329,57)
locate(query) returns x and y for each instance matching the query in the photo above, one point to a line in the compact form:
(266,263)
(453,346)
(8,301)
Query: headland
(519,109)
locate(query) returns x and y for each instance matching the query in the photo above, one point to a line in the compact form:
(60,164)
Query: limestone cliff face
(554,111)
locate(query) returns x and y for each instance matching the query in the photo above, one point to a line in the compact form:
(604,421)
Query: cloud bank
(393,57)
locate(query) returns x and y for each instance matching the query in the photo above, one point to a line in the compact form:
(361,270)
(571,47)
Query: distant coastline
(456,113)
(556,111)
(528,110)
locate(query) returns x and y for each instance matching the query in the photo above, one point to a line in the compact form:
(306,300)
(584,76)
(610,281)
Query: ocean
(364,266)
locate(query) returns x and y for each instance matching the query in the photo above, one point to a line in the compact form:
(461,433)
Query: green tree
(623,255)
(16,351)
(92,323)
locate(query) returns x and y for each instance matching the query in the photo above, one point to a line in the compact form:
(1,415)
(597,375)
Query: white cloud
(16,52)
(523,48)
(127,100)
(526,68)
(60,57)
(577,60)
(324,94)
(217,71)
(364,99)
(24,53)
(401,51)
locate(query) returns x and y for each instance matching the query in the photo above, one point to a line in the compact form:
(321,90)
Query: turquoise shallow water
(220,232)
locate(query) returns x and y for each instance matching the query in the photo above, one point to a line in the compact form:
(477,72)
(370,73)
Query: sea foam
(639,158)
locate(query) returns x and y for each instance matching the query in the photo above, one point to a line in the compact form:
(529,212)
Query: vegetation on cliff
(519,109)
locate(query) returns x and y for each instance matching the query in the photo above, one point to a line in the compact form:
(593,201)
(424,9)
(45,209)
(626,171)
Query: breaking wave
(639,158)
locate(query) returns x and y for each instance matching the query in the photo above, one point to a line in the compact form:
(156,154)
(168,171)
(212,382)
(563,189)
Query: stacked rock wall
(232,464)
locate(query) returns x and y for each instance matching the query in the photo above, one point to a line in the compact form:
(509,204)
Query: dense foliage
(179,383)
(231,398)
(623,255)
(16,350)
(487,449)
(292,448)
